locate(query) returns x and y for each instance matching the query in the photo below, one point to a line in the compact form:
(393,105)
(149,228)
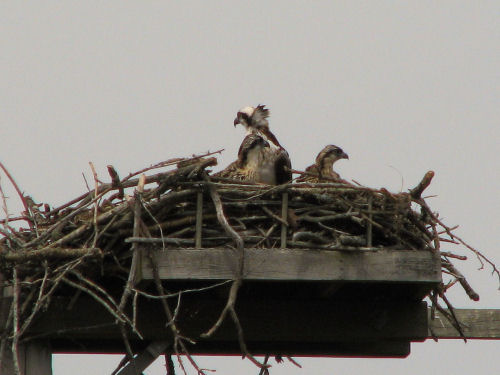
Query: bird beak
(236,121)
(344,156)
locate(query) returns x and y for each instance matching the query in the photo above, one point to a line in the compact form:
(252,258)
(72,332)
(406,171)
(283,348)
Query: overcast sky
(402,87)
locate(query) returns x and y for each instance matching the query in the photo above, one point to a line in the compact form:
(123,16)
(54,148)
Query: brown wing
(311,175)
(282,167)
(230,169)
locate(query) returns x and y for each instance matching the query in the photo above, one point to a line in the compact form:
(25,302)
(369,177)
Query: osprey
(251,160)
(275,164)
(322,169)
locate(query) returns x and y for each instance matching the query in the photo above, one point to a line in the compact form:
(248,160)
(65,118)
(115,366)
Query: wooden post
(284,213)
(199,219)
(35,358)
(142,361)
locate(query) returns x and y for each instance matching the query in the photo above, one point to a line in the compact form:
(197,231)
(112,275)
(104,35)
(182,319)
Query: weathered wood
(296,264)
(476,324)
(142,361)
(293,326)
(35,358)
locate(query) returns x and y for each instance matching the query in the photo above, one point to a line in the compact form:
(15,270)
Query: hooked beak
(236,121)
(344,156)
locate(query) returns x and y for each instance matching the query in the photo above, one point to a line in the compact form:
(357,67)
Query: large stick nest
(318,216)
(103,225)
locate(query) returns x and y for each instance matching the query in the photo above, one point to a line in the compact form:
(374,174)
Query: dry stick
(169,364)
(462,280)
(480,256)
(451,255)
(264,370)
(178,339)
(25,204)
(417,191)
(96,203)
(115,181)
(293,361)
(452,312)
(233,292)
(23,256)
(126,182)
(176,294)
(4,206)
(131,281)
(369,225)
(64,220)
(37,305)
(15,338)
(169,162)
(449,241)
(118,314)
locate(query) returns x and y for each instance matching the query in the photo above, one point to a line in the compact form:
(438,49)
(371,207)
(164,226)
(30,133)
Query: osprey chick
(322,169)
(248,167)
(276,163)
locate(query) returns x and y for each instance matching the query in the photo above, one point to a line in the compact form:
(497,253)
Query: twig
(461,279)
(451,255)
(115,181)
(15,336)
(20,194)
(233,292)
(417,191)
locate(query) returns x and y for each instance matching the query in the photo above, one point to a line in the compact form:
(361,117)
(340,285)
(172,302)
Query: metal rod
(284,213)
(199,219)
(369,226)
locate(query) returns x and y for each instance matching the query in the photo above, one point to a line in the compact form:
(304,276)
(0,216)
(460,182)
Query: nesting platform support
(391,266)
(294,302)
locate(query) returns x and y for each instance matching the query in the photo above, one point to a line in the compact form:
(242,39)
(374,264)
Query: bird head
(252,117)
(330,153)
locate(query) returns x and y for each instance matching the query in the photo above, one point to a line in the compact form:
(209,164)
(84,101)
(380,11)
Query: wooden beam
(294,264)
(142,361)
(306,327)
(476,324)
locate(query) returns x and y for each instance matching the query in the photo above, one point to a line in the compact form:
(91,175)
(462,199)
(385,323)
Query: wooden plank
(294,264)
(476,324)
(142,361)
(306,327)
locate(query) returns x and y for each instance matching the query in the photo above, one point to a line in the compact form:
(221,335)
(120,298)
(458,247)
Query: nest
(184,208)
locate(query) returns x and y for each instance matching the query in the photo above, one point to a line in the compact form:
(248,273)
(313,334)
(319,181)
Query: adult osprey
(276,164)
(322,169)
(251,160)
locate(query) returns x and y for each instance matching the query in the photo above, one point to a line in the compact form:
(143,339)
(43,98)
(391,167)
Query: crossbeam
(296,265)
(476,324)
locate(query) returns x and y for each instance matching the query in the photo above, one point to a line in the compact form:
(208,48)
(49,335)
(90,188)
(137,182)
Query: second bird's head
(331,153)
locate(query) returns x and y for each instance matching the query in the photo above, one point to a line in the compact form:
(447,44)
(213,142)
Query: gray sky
(402,88)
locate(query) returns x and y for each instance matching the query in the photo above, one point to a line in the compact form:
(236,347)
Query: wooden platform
(394,266)
(292,302)
(301,302)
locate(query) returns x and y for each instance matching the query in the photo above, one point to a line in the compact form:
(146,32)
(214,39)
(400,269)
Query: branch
(417,191)
(21,195)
